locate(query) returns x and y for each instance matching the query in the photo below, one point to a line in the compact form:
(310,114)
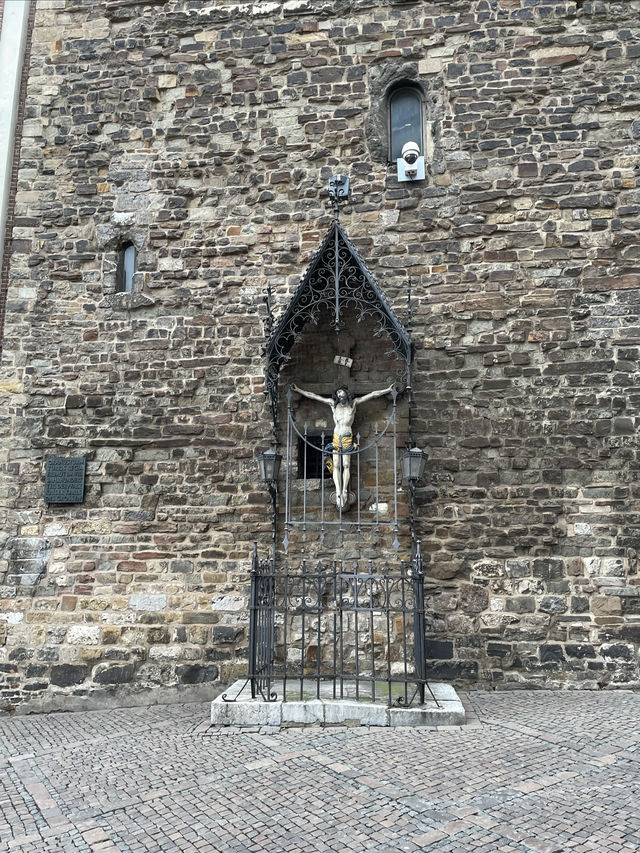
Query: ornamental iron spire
(338,192)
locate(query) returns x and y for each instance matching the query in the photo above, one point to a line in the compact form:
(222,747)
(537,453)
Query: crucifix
(343,407)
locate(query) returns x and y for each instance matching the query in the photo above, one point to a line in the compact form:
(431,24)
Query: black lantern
(269,463)
(413,462)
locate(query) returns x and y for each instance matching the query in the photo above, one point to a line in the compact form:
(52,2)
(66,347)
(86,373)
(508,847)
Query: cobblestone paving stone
(532,772)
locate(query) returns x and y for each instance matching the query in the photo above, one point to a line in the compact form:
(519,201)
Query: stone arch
(111,238)
(383,81)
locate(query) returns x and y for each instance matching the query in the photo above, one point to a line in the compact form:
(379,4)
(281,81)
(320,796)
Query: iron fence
(337,631)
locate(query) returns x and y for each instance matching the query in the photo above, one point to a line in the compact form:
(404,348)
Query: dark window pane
(129,267)
(315,460)
(406,120)
(126,268)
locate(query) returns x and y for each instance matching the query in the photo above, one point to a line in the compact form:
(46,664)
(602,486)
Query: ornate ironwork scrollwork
(336,281)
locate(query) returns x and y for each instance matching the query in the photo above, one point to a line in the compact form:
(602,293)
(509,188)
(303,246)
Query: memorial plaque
(64,480)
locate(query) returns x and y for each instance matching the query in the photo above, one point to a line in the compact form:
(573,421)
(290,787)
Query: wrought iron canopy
(337,279)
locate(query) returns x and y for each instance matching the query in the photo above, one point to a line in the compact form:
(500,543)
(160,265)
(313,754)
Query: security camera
(410,154)
(410,163)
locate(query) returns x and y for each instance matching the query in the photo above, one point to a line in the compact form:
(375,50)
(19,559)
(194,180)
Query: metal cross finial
(338,192)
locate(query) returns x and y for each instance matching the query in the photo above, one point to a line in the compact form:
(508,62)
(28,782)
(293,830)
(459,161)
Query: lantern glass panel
(413,462)
(269,464)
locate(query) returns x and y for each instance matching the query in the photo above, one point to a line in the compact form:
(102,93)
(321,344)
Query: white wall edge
(13,39)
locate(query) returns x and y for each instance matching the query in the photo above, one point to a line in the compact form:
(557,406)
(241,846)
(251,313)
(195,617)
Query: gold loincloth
(340,444)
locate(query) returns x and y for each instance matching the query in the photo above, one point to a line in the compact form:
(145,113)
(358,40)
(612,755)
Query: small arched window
(126,268)
(405,119)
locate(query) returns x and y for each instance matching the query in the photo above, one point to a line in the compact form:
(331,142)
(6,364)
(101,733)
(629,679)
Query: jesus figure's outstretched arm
(326,400)
(372,395)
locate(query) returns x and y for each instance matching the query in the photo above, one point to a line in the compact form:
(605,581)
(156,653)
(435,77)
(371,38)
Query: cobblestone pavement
(533,772)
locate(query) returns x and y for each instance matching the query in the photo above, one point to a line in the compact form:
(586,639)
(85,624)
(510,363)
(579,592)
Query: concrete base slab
(442,707)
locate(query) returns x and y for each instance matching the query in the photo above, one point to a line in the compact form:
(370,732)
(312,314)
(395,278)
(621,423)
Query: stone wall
(206,134)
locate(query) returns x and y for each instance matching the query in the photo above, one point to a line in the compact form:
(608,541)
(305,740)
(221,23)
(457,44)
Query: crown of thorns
(346,391)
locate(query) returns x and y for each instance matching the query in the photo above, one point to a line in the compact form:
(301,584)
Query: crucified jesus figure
(343,406)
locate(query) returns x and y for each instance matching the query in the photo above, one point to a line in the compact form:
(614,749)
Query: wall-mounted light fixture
(413,463)
(269,464)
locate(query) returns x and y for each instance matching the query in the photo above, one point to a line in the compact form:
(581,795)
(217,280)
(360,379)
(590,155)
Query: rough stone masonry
(205,133)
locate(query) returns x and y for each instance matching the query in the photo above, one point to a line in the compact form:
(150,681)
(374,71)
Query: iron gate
(337,631)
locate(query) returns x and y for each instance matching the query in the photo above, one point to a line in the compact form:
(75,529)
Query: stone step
(442,707)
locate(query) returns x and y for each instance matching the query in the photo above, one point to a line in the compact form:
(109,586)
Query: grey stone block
(443,692)
(363,713)
(250,713)
(305,713)
(445,713)
(68,674)
(147,601)
(113,673)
